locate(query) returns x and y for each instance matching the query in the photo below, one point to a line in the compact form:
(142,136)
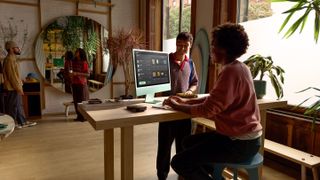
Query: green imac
(151,73)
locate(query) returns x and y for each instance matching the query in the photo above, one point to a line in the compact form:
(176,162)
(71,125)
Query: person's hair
(185,36)
(82,54)
(232,38)
(68,55)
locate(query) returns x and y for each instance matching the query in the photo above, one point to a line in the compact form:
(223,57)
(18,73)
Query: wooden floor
(60,149)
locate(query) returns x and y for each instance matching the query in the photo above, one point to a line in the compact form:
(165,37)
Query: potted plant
(120,46)
(260,65)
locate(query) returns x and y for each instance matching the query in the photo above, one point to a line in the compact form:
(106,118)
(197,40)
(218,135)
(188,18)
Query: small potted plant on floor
(260,65)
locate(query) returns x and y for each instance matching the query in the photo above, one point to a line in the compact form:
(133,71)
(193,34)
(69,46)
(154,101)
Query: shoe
(18,126)
(29,124)
(79,120)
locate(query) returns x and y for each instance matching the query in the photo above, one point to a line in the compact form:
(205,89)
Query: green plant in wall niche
(13,30)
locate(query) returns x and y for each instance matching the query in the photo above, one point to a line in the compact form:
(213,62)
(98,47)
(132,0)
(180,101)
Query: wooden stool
(251,166)
(66,105)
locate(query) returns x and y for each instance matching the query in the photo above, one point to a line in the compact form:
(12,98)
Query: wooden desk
(5,132)
(109,116)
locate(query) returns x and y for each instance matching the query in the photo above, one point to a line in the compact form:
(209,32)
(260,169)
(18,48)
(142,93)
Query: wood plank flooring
(60,149)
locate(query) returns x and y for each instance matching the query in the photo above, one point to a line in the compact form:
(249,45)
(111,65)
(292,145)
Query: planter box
(293,130)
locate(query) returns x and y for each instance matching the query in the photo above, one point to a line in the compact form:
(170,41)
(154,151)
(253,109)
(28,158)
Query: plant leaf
(312,109)
(289,16)
(305,18)
(316,26)
(308,89)
(295,25)
(276,85)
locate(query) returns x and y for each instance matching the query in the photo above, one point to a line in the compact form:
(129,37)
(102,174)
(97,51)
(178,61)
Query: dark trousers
(2,96)
(167,133)
(202,150)
(2,103)
(80,93)
(14,107)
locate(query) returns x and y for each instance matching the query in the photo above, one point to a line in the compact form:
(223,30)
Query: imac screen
(152,73)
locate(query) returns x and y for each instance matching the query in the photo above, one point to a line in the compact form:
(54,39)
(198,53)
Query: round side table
(8,120)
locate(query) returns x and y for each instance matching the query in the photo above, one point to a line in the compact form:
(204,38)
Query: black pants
(201,150)
(2,103)
(80,93)
(14,107)
(167,133)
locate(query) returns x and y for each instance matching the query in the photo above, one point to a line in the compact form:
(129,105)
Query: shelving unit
(32,99)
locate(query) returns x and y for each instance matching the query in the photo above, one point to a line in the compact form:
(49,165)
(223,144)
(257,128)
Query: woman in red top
(79,75)
(231,103)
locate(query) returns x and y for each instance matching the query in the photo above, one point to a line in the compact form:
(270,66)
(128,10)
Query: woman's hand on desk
(177,103)
(177,99)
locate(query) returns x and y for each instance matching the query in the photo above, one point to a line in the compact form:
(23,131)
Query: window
(176,19)
(298,55)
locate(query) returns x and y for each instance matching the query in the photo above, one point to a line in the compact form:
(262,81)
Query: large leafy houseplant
(308,6)
(261,65)
(120,46)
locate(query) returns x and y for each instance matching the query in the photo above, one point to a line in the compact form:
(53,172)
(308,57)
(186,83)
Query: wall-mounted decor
(12,29)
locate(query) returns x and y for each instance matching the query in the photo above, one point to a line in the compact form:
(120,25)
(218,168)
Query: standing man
(13,86)
(184,79)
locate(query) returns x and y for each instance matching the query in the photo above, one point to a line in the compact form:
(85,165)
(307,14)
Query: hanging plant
(91,45)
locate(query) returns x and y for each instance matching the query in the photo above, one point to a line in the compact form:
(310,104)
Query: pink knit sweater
(232,102)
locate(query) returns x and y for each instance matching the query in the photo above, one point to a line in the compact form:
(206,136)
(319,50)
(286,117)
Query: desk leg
(108,154)
(263,116)
(127,153)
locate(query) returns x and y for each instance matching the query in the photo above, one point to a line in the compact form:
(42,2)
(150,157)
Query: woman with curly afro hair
(231,104)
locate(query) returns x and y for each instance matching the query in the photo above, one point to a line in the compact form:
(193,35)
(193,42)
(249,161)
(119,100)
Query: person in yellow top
(13,85)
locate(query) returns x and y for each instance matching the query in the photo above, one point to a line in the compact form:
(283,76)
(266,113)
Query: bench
(95,85)
(289,153)
(294,155)
(66,109)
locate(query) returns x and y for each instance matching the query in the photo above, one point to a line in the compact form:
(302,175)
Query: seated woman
(231,103)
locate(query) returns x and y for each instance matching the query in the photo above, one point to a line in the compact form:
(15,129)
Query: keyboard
(160,106)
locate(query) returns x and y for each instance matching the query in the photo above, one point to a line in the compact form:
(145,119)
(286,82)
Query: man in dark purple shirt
(184,79)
